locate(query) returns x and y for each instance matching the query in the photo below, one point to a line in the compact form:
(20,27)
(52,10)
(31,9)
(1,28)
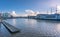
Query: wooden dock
(10,28)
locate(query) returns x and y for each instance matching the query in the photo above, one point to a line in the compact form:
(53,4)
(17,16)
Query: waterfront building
(6,15)
(47,16)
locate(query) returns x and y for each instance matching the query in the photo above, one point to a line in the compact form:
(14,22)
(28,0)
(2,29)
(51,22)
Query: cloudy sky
(20,6)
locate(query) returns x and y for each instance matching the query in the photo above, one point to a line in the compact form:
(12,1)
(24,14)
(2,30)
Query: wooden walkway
(10,28)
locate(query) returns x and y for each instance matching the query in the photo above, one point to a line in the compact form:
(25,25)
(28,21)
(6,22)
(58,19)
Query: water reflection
(30,21)
(0,25)
(14,21)
(58,28)
(36,28)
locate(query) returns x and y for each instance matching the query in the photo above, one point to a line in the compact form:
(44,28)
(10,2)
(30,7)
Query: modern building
(47,16)
(6,15)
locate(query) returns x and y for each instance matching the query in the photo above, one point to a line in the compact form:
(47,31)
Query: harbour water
(32,28)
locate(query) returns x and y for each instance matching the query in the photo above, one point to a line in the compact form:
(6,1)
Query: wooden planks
(11,28)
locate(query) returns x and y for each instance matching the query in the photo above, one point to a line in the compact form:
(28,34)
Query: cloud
(29,11)
(45,5)
(54,3)
(49,3)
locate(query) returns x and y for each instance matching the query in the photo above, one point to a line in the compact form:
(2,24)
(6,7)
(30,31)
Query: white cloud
(53,3)
(31,12)
(58,7)
(49,3)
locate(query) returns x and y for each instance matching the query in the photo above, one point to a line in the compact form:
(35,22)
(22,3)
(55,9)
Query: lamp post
(56,12)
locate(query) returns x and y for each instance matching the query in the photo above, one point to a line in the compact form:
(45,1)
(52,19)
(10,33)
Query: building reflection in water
(58,28)
(34,27)
(31,21)
(14,21)
(0,25)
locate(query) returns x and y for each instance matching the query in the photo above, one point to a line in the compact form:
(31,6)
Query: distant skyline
(20,6)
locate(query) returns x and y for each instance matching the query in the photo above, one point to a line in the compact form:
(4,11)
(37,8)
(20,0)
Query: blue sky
(21,5)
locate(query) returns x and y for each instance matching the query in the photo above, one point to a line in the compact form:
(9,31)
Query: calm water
(32,28)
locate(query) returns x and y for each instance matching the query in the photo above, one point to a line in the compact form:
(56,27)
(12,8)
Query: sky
(21,6)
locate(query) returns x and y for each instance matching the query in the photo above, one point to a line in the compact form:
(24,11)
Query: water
(32,28)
